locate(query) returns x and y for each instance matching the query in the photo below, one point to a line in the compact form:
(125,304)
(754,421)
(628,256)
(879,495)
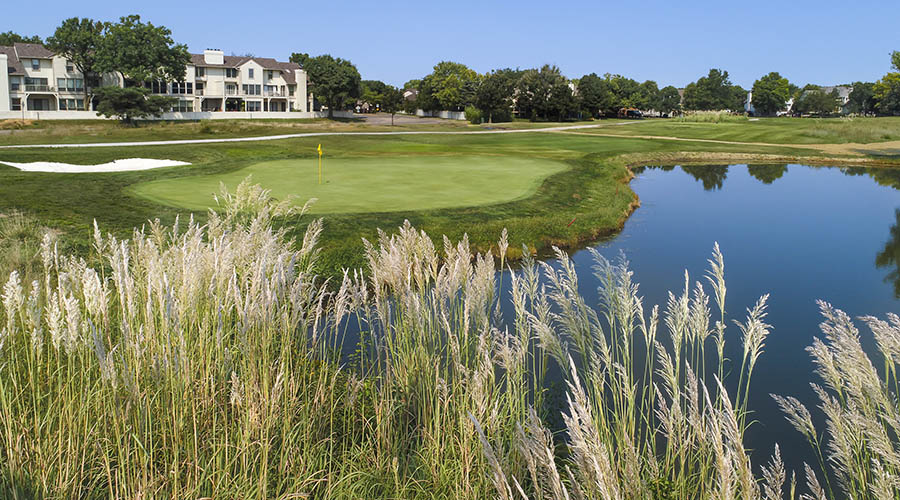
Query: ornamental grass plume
(209,360)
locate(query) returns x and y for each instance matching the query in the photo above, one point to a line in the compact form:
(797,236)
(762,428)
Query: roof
(14,65)
(287,68)
(842,90)
(32,51)
(230,61)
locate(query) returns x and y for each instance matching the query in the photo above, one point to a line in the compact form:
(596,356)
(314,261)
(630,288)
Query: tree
(450,86)
(647,96)
(623,93)
(334,81)
(669,100)
(79,40)
(895,60)
(141,52)
(887,94)
(534,92)
(594,94)
(372,92)
(561,102)
(862,98)
(391,101)
(130,104)
(494,96)
(9,38)
(813,100)
(713,92)
(770,94)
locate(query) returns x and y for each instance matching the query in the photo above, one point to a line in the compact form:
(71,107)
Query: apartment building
(34,79)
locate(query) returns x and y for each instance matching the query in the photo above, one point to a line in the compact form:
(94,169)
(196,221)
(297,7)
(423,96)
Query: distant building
(33,78)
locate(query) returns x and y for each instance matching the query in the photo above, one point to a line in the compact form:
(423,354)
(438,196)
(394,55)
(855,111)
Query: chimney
(213,56)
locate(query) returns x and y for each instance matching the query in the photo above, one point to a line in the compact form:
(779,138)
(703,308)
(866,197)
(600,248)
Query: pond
(799,233)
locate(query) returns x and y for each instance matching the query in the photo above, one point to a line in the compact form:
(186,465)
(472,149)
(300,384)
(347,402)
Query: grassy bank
(587,199)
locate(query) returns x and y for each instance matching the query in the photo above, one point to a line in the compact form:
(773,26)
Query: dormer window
(35,64)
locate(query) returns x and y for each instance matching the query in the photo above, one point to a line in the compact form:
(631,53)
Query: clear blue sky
(674,43)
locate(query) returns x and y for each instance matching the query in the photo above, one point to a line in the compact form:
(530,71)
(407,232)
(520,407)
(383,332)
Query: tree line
(143,52)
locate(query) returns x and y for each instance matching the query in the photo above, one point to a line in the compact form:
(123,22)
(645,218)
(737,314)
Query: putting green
(370,184)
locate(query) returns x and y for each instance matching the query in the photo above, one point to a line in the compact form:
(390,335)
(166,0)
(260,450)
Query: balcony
(38,88)
(274,93)
(231,92)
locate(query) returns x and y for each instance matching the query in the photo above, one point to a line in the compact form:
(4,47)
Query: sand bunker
(126,165)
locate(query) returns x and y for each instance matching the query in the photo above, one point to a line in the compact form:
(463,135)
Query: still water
(798,233)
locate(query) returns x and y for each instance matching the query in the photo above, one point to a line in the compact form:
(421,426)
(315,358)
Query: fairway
(367,184)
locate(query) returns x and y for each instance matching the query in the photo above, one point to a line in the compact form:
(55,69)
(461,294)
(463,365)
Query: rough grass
(87,131)
(774,130)
(710,117)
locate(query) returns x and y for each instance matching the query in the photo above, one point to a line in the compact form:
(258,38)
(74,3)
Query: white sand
(126,165)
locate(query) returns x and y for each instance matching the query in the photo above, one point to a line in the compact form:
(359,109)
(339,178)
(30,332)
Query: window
(271,90)
(36,84)
(158,87)
(35,64)
(252,89)
(250,73)
(182,88)
(291,90)
(15,83)
(71,104)
(201,71)
(254,106)
(231,72)
(230,89)
(183,106)
(199,88)
(16,104)
(70,68)
(70,84)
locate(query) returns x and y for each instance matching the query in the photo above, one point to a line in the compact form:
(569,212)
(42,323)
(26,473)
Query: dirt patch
(15,124)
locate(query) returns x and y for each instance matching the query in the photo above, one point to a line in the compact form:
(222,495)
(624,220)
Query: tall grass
(200,361)
(711,117)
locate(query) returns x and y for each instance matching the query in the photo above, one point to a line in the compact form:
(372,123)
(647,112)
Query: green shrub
(473,115)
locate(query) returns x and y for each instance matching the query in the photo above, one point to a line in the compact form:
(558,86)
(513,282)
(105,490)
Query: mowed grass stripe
(370,184)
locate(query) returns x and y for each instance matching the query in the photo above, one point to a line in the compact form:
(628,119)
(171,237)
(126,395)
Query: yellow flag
(319,149)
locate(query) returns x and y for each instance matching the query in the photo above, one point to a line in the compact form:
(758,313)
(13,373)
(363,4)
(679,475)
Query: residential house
(34,79)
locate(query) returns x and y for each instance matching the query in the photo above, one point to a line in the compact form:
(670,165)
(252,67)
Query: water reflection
(889,257)
(713,178)
(767,173)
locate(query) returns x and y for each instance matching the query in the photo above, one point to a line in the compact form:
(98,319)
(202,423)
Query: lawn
(575,187)
(370,184)
(772,130)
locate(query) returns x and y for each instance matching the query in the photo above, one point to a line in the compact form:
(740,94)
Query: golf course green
(370,184)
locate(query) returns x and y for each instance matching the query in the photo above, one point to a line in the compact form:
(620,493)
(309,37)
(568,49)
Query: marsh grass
(194,361)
